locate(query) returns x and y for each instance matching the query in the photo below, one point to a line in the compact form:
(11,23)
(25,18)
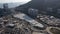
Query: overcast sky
(12,1)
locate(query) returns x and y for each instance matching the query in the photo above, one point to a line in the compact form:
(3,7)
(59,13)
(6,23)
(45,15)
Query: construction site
(29,17)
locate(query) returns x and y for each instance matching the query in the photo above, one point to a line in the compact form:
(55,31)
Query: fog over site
(13,3)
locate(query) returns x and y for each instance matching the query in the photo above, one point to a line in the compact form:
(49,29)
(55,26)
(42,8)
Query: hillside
(41,5)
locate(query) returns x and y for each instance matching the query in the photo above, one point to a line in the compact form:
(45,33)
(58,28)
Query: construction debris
(14,25)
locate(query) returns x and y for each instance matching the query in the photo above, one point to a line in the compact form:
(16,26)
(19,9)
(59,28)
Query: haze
(13,1)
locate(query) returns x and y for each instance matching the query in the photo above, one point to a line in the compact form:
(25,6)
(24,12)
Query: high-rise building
(32,12)
(58,11)
(49,9)
(5,7)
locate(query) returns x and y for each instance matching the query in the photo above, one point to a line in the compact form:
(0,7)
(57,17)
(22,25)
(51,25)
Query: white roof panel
(28,19)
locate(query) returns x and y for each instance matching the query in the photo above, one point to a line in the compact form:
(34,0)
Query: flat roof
(28,19)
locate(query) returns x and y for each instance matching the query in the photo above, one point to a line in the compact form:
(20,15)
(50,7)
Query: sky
(13,1)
